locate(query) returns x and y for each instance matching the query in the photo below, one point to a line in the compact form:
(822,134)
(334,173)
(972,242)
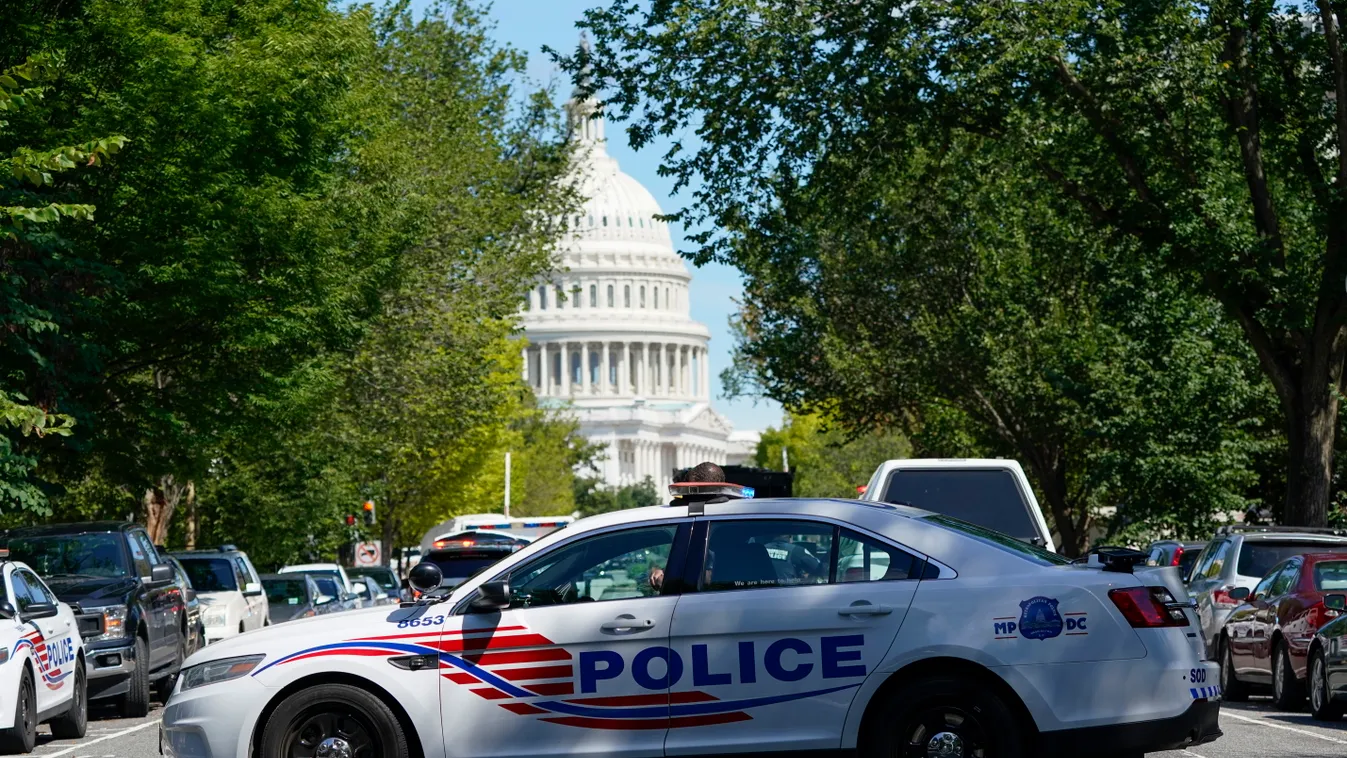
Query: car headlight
(215,618)
(219,671)
(114,623)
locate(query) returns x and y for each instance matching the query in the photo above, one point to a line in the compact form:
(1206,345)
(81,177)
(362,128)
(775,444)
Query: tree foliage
(825,460)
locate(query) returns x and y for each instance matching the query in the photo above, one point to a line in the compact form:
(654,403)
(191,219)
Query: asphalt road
(1252,730)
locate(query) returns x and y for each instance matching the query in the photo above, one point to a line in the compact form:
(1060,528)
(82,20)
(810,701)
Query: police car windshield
(210,574)
(94,554)
(987,497)
(999,540)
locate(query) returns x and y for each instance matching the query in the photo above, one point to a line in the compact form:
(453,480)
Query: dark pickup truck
(113,568)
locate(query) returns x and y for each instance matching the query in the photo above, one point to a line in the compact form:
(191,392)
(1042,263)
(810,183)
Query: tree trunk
(160,502)
(193,526)
(1311,434)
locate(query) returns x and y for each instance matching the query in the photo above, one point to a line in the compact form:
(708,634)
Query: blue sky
(530,24)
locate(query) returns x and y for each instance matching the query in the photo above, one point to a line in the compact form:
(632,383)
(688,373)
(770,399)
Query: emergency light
(684,489)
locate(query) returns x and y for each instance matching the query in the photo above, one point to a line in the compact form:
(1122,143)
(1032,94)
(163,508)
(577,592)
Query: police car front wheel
(333,721)
(944,717)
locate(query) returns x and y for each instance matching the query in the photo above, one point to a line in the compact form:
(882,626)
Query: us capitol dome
(612,337)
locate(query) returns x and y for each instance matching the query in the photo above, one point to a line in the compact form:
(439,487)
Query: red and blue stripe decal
(52,676)
(532,676)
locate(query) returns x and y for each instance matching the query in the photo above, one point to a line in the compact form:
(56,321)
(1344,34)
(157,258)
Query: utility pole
(507,484)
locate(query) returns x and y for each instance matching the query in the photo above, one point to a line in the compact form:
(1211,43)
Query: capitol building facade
(612,336)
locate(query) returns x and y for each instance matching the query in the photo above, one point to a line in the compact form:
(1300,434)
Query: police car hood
(286,638)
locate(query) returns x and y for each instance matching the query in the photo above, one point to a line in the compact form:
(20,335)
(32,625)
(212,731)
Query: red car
(1266,640)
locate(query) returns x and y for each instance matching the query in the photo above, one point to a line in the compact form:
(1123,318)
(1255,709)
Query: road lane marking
(1191,754)
(114,735)
(1269,724)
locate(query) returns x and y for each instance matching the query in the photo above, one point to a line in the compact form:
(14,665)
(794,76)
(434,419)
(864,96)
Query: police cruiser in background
(729,625)
(42,675)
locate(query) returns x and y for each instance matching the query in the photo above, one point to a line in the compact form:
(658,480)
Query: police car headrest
(712,489)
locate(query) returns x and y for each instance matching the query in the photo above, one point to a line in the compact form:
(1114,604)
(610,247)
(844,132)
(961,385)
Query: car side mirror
(162,572)
(1241,593)
(39,611)
(425,577)
(1335,602)
(7,610)
(252,589)
(323,600)
(492,597)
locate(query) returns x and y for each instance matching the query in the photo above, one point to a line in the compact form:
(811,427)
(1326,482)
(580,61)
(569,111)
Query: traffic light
(350,519)
(369,513)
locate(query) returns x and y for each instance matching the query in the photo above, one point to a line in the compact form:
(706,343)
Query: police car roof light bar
(684,489)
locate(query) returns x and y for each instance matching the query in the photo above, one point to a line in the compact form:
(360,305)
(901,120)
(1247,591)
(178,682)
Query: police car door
(788,619)
(50,634)
(578,664)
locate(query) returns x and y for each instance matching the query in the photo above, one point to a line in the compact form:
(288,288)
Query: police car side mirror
(7,610)
(39,611)
(492,597)
(425,577)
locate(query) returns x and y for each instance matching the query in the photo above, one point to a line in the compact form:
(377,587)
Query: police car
(42,675)
(739,626)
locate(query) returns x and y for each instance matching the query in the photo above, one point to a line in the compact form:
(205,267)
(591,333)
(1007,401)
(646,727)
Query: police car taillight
(1149,607)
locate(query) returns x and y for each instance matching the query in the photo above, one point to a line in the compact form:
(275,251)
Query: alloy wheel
(1317,683)
(330,731)
(944,731)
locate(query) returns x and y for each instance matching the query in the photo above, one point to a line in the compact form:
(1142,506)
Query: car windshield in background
(997,539)
(210,574)
(987,497)
(327,585)
(92,554)
(383,576)
(1257,557)
(285,591)
(1330,576)
(460,564)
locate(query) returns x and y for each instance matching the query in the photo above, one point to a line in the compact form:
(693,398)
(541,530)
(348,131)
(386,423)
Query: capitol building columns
(606,368)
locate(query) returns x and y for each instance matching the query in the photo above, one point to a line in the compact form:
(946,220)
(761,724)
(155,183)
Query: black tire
(1287,692)
(960,710)
(72,724)
(21,737)
(1232,688)
(136,702)
(1322,707)
(333,711)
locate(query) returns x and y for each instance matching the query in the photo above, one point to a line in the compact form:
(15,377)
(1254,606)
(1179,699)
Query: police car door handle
(625,623)
(865,609)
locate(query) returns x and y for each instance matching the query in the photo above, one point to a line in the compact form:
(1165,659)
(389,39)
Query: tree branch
(1330,23)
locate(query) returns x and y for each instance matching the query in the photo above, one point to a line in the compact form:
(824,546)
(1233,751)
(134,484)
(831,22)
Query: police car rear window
(987,497)
(997,539)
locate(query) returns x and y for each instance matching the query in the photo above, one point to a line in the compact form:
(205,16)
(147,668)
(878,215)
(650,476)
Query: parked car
(331,595)
(1174,553)
(1240,556)
(332,569)
(388,582)
(291,596)
(230,590)
(1328,663)
(196,629)
(1266,640)
(112,568)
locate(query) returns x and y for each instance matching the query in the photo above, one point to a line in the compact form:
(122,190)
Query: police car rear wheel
(21,737)
(945,717)
(333,721)
(73,724)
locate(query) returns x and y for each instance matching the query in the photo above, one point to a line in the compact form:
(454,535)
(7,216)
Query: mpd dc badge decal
(1040,619)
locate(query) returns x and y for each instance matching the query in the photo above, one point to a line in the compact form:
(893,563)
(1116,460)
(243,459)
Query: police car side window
(23,594)
(753,554)
(861,559)
(609,566)
(38,590)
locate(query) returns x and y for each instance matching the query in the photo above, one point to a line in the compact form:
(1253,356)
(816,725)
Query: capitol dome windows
(610,296)
(593,296)
(626,296)
(656,294)
(542,298)
(642,296)
(575,296)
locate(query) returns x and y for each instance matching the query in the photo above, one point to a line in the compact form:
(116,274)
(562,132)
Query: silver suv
(1239,556)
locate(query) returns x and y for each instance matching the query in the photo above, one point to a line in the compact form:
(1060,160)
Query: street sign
(367,554)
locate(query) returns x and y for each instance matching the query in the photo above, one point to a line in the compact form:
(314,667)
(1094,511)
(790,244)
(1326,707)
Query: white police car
(739,626)
(42,674)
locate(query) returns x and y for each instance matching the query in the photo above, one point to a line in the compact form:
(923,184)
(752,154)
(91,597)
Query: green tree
(826,461)
(1211,136)
(592,497)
